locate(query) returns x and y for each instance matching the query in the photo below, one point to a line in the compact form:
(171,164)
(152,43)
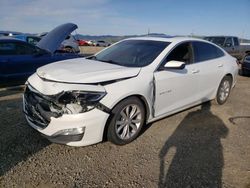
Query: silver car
(70,44)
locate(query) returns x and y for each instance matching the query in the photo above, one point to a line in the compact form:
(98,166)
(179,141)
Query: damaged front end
(40,108)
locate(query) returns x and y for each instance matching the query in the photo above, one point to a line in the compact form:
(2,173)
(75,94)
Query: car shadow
(193,155)
(17,140)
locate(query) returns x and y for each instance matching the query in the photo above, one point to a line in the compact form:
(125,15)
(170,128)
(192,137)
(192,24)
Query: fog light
(72,131)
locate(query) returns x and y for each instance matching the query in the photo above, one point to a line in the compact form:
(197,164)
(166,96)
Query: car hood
(85,71)
(51,42)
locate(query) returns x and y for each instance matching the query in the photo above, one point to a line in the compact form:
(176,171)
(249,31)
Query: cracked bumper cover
(93,122)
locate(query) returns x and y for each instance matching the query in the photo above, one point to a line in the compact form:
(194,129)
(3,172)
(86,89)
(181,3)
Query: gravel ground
(198,147)
(89,50)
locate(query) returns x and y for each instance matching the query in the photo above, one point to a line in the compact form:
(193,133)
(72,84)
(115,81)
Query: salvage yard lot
(197,147)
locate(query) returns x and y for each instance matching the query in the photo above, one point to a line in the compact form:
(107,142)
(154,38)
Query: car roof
(168,39)
(221,36)
(26,35)
(10,39)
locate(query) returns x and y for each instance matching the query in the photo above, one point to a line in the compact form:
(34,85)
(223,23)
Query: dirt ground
(89,50)
(205,146)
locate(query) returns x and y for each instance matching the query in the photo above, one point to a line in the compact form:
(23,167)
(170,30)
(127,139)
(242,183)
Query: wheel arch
(67,46)
(141,98)
(230,76)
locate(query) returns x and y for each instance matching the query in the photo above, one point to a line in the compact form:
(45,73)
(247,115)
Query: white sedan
(136,81)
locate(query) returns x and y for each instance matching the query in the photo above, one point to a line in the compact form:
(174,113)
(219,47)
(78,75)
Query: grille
(37,108)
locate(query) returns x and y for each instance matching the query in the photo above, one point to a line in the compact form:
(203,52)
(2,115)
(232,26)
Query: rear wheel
(224,90)
(126,123)
(69,49)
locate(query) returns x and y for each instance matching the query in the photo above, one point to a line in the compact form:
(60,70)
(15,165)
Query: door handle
(220,65)
(195,71)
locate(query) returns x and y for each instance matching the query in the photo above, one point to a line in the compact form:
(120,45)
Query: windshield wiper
(109,61)
(106,61)
(91,57)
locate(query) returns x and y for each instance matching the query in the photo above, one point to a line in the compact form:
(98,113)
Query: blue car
(19,59)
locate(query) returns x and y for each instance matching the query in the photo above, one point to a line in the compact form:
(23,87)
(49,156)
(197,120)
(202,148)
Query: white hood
(85,71)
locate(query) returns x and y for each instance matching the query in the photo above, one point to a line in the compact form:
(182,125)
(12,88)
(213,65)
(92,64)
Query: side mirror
(174,65)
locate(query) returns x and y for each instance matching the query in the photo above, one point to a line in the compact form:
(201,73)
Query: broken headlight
(79,101)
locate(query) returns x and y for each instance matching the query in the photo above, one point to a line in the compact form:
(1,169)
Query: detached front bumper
(71,129)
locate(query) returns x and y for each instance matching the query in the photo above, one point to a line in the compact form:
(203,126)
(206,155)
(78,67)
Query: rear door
(176,89)
(211,66)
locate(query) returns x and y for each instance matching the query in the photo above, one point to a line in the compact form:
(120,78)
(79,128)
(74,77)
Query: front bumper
(58,129)
(64,139)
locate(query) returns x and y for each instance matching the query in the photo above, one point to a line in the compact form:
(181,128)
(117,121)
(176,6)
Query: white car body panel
(52,88)
(164,92)
(170,94)
(85,71)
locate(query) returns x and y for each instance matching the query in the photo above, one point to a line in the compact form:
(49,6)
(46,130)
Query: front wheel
(224,90)
(126,123)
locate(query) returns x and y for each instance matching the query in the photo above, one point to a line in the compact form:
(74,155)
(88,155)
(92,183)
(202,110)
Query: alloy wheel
(128,121)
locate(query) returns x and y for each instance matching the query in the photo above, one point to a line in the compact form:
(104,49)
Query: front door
(176,89)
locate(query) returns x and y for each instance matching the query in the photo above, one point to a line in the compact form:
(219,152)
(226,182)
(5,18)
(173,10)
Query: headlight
(80,96)
(79,101)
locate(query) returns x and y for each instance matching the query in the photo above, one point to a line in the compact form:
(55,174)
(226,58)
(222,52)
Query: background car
(91,42)
(19,59)
(245,66)
(32,39)
(231,44)
(101,43)
(69,44)
(82,42)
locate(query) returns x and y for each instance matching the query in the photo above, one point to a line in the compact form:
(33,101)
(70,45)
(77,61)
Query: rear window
(205,51)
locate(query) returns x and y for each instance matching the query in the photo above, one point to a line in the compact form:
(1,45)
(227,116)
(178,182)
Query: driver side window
(182,52)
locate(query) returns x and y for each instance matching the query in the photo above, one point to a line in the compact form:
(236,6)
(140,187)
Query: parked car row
(100,43)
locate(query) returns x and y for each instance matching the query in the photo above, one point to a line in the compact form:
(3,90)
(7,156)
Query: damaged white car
(112,94)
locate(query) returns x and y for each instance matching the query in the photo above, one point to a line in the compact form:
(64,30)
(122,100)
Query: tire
(224,90)
(123,129)
(69,49)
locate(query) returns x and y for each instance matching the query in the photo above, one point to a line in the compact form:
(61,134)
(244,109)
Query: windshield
(132,53)
(217,40)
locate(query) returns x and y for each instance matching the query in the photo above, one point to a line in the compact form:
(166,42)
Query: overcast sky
(125,17)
